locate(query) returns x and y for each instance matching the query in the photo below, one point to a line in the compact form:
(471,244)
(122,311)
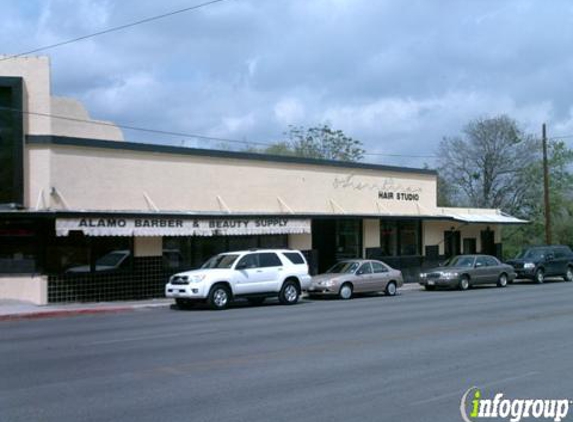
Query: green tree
(560,158)
(321,142)
(487,166)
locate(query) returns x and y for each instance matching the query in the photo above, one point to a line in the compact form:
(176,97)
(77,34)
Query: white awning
(476,215)
(176,226)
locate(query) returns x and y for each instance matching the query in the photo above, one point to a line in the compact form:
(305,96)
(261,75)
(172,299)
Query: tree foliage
(487,166)
(494,164)
(320,142)
(560,158)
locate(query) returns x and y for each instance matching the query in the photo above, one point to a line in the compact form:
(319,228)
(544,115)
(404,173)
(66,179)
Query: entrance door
(324,241)
(470,246)
(452,243)
(487,242)
(336,240)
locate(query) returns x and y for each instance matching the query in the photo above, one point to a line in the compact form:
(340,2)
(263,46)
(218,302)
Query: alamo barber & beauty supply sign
(177,226)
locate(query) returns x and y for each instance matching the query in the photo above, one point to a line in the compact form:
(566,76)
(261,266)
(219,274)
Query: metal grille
(146,281)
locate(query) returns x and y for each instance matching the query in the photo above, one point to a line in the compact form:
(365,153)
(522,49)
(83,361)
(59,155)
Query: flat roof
(53,214)
(200,152)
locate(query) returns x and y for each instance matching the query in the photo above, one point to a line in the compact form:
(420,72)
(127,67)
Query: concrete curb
(55,313)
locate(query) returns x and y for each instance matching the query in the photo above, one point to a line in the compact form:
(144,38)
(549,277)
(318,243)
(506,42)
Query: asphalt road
(407,358)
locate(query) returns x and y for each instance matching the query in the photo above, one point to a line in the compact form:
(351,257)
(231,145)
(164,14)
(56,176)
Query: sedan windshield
(531,254)
(220,261)
(344,267)
(460,261)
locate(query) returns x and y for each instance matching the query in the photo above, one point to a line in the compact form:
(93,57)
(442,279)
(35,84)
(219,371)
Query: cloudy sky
(398,75)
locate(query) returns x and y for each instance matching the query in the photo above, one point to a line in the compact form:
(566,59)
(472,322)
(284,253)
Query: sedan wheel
(391,289)
(502,281)
(464,283)
(539,276)
(345,292)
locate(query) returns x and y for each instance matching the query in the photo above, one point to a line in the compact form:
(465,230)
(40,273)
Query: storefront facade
(88,216)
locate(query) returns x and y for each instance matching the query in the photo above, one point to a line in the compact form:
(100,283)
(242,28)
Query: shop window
(276,241)
(177,253)
(204,248)
(348,239)
(68,254)
(242,243)
(19,243)
(400,238)
(389,238)
(409,236)
(76,253)
(112,254)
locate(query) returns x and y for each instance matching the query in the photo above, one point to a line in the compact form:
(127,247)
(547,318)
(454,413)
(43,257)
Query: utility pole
(546,188)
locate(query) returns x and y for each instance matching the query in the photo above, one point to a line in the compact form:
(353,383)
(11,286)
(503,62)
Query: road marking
(460,393)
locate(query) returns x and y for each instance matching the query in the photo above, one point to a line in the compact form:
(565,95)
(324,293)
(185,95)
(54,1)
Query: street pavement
(403,358)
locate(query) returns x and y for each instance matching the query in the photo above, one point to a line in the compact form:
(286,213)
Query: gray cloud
(397,75)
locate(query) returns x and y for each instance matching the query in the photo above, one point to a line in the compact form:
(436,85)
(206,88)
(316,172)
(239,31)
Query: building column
(370,234)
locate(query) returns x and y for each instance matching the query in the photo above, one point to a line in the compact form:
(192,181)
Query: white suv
(254,275)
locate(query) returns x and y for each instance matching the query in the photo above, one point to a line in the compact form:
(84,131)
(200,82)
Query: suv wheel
(345,291)
(289,293)
(569,274)
(539,276)
(502,281)
(219,297)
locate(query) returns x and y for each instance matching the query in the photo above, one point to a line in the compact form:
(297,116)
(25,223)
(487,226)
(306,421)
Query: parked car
(463,271)
(537,263)
(253,274)
(356,276)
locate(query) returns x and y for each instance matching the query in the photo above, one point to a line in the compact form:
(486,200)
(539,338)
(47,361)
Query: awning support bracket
(222,205)
(150,203)
(334,205)
(283,204)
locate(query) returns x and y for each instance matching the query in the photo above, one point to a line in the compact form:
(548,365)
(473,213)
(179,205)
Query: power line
(113,29)
(181,134)
(136,128)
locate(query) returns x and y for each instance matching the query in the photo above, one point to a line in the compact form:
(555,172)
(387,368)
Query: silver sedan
(356,276)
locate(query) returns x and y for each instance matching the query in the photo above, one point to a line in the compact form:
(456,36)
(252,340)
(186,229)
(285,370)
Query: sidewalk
(14,310)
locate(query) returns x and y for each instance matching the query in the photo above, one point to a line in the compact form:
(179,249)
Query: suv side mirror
(549,257)
(241,266)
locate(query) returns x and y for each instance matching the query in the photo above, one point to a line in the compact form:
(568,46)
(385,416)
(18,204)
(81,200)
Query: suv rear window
(562,252)
(269,259)
(294,257)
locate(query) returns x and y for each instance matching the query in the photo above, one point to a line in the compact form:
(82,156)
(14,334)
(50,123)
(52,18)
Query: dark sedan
(463,271)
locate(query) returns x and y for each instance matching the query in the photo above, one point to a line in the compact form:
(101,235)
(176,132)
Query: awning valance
(176,226)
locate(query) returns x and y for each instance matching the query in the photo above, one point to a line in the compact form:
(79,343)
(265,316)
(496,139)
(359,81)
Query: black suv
(539,262)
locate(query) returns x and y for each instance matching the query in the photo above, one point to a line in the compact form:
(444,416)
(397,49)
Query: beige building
(88,216)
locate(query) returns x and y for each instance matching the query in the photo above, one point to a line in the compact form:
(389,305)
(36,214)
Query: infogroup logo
(474,407)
